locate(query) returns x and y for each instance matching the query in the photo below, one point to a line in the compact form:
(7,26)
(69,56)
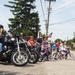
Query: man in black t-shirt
(39,40)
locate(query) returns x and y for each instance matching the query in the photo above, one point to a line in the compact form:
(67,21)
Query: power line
(62,22)
(63,6)
(60,29)
(42,9)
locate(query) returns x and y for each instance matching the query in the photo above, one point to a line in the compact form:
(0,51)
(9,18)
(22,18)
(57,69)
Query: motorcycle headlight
(12,39)
(5,47)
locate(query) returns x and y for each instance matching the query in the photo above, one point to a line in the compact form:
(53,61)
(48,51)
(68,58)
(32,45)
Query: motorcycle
(13,54)
(33,54)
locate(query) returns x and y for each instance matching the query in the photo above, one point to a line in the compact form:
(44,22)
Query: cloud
(73,12)
(0,5)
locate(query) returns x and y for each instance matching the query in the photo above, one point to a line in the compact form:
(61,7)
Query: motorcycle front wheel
(19,60)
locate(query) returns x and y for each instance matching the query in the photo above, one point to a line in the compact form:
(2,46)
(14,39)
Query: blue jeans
(1,47)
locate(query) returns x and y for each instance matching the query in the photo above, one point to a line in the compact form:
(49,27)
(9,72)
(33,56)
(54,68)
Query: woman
(66,48)
(45,48)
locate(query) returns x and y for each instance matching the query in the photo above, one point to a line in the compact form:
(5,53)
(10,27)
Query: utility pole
(49,10)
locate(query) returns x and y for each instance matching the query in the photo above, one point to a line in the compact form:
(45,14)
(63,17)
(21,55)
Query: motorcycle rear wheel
(34,57)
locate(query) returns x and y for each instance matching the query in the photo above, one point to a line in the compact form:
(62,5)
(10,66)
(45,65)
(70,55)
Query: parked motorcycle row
(18,52)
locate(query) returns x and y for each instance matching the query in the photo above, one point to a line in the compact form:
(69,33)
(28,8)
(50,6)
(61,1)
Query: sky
(62,10)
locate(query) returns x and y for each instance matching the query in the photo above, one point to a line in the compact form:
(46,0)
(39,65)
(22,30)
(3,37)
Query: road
(60,67)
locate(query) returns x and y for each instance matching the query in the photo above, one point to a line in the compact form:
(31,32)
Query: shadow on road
(7,73)
(32,65)
(29,65)
(6,63)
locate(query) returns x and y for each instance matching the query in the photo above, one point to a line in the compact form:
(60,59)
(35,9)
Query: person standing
(57,45)
(39,41)
(45,48)
(49,38)
(66,48)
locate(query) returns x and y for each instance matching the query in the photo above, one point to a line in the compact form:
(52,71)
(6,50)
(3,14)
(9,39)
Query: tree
(58,40)
(25,20)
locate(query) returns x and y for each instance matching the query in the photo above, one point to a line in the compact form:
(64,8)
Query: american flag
(50,35)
